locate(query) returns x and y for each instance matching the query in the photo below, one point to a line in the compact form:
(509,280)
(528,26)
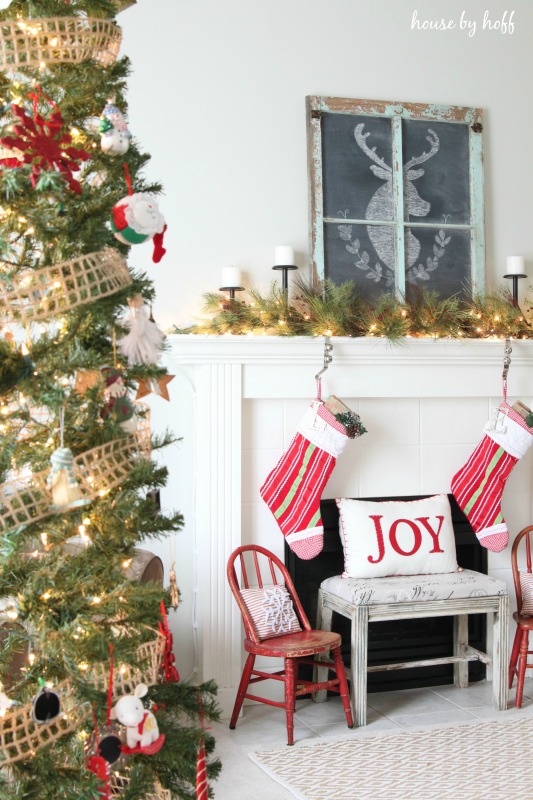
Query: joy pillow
(413,537)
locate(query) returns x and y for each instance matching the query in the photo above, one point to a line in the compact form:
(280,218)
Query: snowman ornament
(136,218)
(114,134)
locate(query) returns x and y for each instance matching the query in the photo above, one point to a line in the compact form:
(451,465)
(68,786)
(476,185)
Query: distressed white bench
(457,594)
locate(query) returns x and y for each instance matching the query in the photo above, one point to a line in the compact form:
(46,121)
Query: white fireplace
(237,401)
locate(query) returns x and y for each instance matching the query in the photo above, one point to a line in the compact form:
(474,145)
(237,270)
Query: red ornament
(43,144)
(170,672)
(202,787)
(100,767)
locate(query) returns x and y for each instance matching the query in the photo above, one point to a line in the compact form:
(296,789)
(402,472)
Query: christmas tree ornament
(170,673)
(66,493)
(46,704)
(143,343)
(174,591)
(478,486)
(104,748)
(109,744)
(86,379)
(101,469)
(202,787)
(292,490)
(136,218)
(157,386)
(44,145)
(142,731)
(98,765)
(118,404)
(114,134)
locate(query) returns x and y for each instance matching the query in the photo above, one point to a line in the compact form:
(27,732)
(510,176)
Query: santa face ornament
(136,218)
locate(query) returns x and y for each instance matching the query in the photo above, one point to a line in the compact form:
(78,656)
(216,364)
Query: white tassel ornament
(143,343)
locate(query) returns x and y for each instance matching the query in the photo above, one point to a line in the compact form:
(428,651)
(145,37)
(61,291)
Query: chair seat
(407,588)
(524,620)
(295,645)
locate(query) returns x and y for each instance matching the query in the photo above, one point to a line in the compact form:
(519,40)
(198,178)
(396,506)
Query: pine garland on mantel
(342,311)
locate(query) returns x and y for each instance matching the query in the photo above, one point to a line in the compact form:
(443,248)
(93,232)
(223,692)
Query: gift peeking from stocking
(293,489)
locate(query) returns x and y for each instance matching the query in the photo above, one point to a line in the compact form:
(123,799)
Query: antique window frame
(317,106)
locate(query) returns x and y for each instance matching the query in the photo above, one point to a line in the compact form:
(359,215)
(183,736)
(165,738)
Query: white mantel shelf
(363,367)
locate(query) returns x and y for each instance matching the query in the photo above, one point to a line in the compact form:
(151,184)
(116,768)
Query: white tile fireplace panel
(393,470)
(438,465)
(424,404)
(256,466)
(390,421)
(259,527)
(262,424)
(520,478)
(344,480)
(452,420)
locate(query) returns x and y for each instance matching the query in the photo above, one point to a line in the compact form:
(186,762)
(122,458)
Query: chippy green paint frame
(473,117)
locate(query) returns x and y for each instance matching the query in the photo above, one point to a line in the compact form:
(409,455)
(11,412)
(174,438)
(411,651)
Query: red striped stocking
(292,490)
(478,486)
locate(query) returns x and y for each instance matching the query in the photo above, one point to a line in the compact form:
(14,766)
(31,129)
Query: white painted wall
(217,97)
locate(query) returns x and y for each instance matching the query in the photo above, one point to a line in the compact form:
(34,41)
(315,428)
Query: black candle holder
(231,290)
(515,278)
(285,277)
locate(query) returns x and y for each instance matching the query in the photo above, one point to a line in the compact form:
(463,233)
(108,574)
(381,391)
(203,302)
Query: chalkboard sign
(396,196)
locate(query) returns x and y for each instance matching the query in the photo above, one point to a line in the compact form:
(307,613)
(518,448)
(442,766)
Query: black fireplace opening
(395,641)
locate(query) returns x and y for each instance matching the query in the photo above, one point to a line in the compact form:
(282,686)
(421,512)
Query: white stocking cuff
(297,536)
(515,438)
(494,529)
(321,433)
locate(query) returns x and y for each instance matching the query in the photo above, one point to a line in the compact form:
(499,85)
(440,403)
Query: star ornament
(44,145)
(156,386)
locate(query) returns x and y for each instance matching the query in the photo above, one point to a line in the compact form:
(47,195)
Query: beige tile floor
(263,727)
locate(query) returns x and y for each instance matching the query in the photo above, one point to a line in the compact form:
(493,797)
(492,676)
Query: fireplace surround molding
(225,371)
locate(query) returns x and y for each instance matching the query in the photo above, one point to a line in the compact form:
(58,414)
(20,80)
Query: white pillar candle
(231,277)
(515,265)
(284,256)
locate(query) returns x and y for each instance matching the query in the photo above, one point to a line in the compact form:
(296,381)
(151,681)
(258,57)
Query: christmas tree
(91,705)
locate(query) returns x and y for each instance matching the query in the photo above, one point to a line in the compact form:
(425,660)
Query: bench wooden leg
(460,643)
(359,662)
(500,658)
(323,623)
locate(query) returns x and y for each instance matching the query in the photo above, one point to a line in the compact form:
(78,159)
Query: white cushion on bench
(406,588)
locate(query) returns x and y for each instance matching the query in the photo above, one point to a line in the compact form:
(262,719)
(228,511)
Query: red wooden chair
(523,616)
(263,571)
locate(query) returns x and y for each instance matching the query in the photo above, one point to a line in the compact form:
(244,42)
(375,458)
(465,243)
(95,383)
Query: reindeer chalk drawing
(381,207)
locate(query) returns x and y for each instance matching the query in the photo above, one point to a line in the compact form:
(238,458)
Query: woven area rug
(485,761)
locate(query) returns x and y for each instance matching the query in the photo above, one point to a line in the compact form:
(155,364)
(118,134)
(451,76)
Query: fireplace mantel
(375,366)
(227,371)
